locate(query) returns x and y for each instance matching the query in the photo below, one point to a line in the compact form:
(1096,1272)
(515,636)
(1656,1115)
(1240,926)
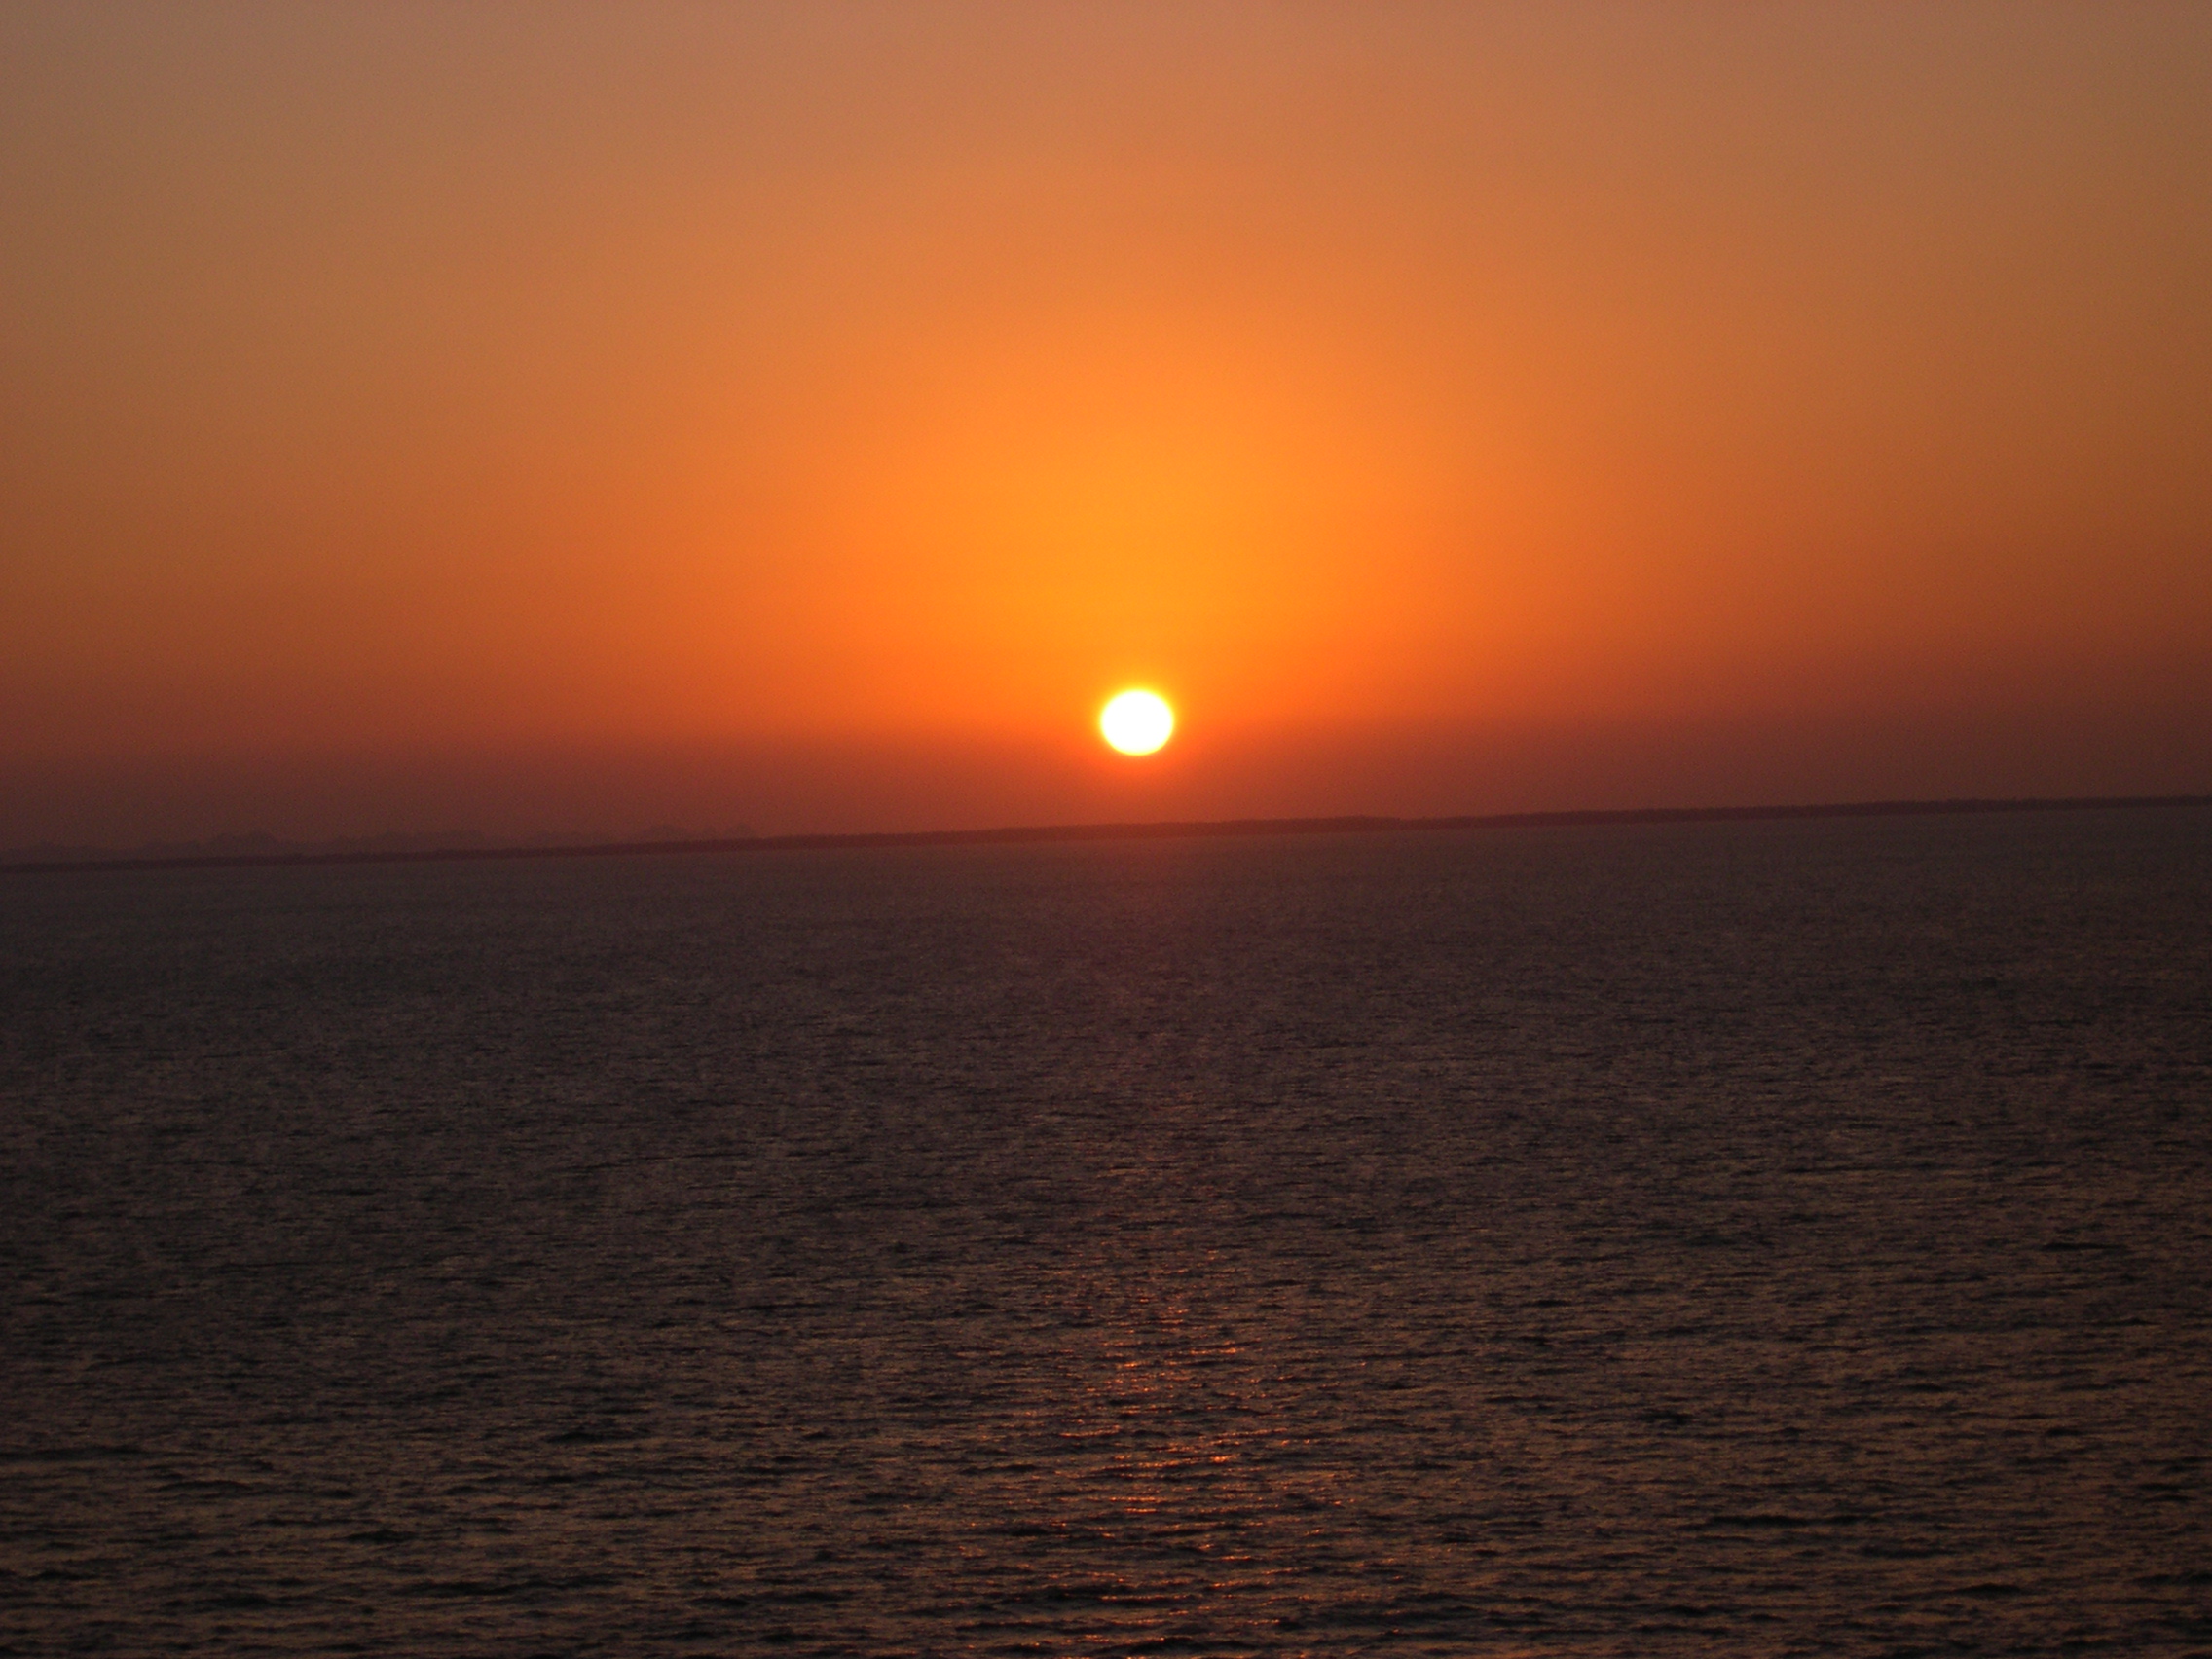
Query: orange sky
(422,417)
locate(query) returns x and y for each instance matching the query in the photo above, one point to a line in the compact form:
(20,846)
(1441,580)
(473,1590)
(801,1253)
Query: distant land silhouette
(262,848)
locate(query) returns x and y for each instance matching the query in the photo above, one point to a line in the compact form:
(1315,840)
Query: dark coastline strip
(1056,832)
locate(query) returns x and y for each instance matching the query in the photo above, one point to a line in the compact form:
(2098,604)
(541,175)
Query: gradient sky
(547,416)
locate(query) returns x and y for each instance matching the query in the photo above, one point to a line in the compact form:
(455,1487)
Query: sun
(1137,723)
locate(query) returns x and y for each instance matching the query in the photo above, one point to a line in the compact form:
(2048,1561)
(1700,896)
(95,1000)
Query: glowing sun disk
(1137,722)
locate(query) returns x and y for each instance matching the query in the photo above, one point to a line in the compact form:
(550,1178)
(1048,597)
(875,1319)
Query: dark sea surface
(1763,1237)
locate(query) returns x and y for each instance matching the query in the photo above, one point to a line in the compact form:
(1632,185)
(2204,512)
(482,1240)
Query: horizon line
(1161,830)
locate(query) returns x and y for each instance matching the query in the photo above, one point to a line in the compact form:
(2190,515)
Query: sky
(560,416)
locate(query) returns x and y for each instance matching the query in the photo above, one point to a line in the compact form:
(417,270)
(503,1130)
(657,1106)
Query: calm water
(1772,1237)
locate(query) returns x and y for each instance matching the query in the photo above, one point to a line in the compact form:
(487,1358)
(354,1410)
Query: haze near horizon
(807,417)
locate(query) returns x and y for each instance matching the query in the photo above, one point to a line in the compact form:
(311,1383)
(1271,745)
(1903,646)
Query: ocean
(1765,1237)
